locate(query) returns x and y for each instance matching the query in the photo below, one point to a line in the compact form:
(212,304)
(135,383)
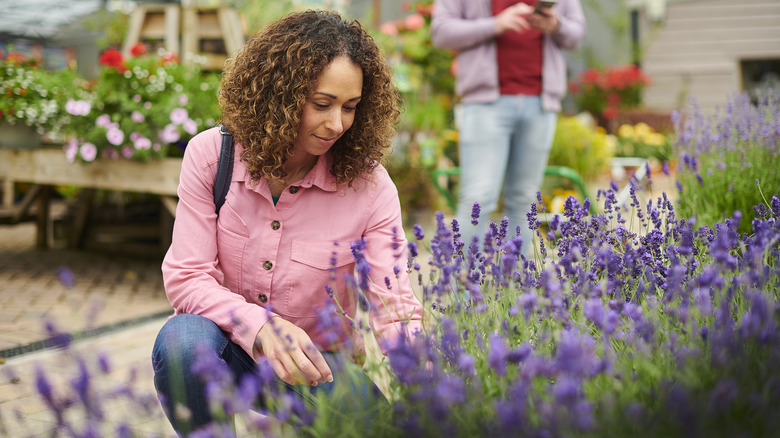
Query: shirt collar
(318,176)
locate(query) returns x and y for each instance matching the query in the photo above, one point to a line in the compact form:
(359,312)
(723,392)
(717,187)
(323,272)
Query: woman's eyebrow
(332,96)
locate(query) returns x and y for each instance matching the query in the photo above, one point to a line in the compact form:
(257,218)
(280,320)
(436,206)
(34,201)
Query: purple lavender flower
(475,210)
(361,264)
(417,229)
(497,354)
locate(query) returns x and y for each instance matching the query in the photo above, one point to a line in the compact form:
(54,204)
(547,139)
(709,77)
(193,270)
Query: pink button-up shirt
(257,260)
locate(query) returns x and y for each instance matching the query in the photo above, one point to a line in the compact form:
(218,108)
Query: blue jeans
(174,354)
(503,145)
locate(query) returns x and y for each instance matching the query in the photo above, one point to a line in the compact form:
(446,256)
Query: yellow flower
(626,131)
(641,131)
(655,139)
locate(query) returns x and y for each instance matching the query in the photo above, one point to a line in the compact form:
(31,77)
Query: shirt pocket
(310,267)
(232,241)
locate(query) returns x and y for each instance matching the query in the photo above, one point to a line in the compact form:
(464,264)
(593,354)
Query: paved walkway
(114,305)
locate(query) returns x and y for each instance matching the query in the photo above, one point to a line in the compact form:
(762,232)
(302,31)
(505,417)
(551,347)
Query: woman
(311,106)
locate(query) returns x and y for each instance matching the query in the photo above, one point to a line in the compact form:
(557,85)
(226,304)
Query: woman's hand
(292,354)
(513,18)
(544,23)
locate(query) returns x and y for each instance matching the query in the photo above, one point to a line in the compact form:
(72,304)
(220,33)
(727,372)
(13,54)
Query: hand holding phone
(542,5)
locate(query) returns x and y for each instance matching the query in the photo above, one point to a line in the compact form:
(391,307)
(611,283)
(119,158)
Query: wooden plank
(189,35)
(728,8)
(134,29)
(49,167)
(717,35)
(154,25)
(172,20)
(230,23)
(208,25)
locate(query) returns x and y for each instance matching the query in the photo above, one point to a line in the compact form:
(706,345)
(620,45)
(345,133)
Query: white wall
(697,49)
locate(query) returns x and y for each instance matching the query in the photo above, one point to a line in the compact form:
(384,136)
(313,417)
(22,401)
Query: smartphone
(544,4)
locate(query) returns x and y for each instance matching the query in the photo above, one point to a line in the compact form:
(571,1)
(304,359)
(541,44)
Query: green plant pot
(18,136)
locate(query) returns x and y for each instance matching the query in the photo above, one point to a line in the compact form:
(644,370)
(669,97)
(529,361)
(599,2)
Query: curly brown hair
(266,85)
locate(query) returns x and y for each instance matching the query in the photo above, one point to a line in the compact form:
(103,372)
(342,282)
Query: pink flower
(137,117)
(78,107)
(127,152)
(169,134)
(137,98)
(178,116)
(115,136)
(389,28)
(414,21)
(190,127)
(88,152)
(142,143)
(183,99)
(71,149)
(103,121)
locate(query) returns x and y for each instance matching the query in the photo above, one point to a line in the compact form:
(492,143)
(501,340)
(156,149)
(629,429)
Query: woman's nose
(334,122)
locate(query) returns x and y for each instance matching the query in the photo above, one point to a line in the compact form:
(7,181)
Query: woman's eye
(349,108)
(320,105)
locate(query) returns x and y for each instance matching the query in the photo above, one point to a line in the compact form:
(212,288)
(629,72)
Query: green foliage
(641,140)
(31,95)
(727,159)
(580,146)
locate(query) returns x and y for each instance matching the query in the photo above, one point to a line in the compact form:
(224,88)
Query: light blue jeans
(352,395)
(503,145)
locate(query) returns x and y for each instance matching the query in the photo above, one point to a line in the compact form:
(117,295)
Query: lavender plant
(728,158)
(629,322)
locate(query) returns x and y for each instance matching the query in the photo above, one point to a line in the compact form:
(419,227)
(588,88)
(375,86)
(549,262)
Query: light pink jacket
(258,260)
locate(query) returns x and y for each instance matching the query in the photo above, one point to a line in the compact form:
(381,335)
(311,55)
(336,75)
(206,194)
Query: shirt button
(267,265)
(275,225)
(294,189)
(263,298)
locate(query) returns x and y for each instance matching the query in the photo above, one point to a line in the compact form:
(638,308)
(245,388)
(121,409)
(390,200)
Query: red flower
(138,49)
(16,58)
(170,58)
(610,112)
(113,58)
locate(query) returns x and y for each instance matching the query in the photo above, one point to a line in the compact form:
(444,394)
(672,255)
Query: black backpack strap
(224,169)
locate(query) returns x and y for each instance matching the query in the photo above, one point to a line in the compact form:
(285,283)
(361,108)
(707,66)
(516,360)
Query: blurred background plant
(31,95)
(423,76)
(580,145)
(139,107)
(641,140)
(604,92)
(728,161)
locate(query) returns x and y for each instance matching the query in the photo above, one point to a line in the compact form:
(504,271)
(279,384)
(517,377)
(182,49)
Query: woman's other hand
(292,354)
(513,18)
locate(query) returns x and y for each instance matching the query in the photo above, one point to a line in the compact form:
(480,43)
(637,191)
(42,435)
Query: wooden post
(184,28)
(42,221)
(377,13)
(154,22)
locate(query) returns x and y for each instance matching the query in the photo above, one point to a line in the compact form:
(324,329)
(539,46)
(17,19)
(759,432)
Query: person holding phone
(511,78)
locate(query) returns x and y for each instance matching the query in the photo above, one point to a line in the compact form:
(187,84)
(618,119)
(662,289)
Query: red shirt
(519,56)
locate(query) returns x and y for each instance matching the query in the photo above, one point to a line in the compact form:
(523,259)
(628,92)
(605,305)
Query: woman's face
(330,110)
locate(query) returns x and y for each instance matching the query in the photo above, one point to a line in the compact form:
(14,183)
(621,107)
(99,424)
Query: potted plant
(139,107)
(31,99)
(604,92)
